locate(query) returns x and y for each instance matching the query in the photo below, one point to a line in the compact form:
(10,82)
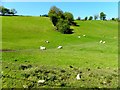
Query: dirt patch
(7,50)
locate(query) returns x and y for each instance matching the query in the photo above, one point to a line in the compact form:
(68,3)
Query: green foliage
(61,20)
(12,11)
(54,14)
(6,11)
(68,16)
(96,17)
(54,19)
(113,19)
(102,16)
(86,18)
(90,18)
(63,26)
(78,18)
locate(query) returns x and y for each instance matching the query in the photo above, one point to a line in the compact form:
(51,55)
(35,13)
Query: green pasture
(23,36)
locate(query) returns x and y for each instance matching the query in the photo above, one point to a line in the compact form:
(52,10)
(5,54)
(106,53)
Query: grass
(26,34)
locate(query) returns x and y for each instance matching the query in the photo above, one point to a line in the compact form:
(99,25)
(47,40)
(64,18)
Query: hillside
(22,37)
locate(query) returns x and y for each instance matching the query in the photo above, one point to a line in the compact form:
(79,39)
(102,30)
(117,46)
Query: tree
(86,18)
(78,18)
(90,18)
(96,17)
(102,16)
(68,16)
(54,14)
(12,11)
(4,10)
(60,20)
(113,19)
(63,26)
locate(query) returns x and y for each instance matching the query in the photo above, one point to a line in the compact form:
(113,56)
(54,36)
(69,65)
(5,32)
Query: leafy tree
(102,16)
(113,19)
(12,11)
(96,17)
(86,18)
(68,16)
(90,18)
(45,15)
(4,10)
(60,20)
(54,14)
(78,18)
(63,26)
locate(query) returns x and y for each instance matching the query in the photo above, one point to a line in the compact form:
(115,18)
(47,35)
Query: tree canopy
(102,16)
(61,20)
(6,11)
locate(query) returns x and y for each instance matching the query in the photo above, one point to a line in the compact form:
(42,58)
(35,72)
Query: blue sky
(81,9)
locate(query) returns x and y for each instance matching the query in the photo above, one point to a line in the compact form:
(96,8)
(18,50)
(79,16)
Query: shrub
(63,26)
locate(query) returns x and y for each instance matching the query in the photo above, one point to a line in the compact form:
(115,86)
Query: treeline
(101,16)
(5,11)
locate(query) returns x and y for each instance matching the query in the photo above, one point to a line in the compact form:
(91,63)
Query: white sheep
(47,41)
(100,41)
(59,47)
(103,42)
(42,48)
(84,35)
(78,77)
(78,36)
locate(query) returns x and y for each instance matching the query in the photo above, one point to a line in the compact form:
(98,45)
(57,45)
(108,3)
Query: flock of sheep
(60,47)
(44,48)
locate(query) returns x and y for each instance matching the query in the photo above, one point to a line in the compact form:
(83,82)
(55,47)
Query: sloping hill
(26,34)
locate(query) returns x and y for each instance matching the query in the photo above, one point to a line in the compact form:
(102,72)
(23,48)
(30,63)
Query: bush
(63,26)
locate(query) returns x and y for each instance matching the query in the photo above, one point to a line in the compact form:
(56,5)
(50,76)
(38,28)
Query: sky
(78,9)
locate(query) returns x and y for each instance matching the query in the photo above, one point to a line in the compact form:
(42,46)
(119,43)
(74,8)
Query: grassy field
(96,62)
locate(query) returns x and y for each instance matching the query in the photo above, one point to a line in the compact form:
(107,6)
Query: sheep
(59,47)
(100,41)
(47,41)
(42,48)
(103,42)
(78,77)
(78,36)
(84,35)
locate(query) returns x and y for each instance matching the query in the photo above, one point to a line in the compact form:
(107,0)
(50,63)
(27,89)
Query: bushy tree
(102,16)
(90,18)
(54,14)
(78,18)
(86,18)
(60,20)
(96,17)
(113,19)
(68,16)
(63,26)
(12,11)
(4,10)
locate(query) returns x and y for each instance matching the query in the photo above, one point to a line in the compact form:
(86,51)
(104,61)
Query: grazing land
(24,64)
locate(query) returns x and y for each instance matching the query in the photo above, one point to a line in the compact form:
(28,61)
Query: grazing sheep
(100,41)
(84,35)
(78,77)
(78,36)
(47,41)
(42,48)
(59,47)
(103,42)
